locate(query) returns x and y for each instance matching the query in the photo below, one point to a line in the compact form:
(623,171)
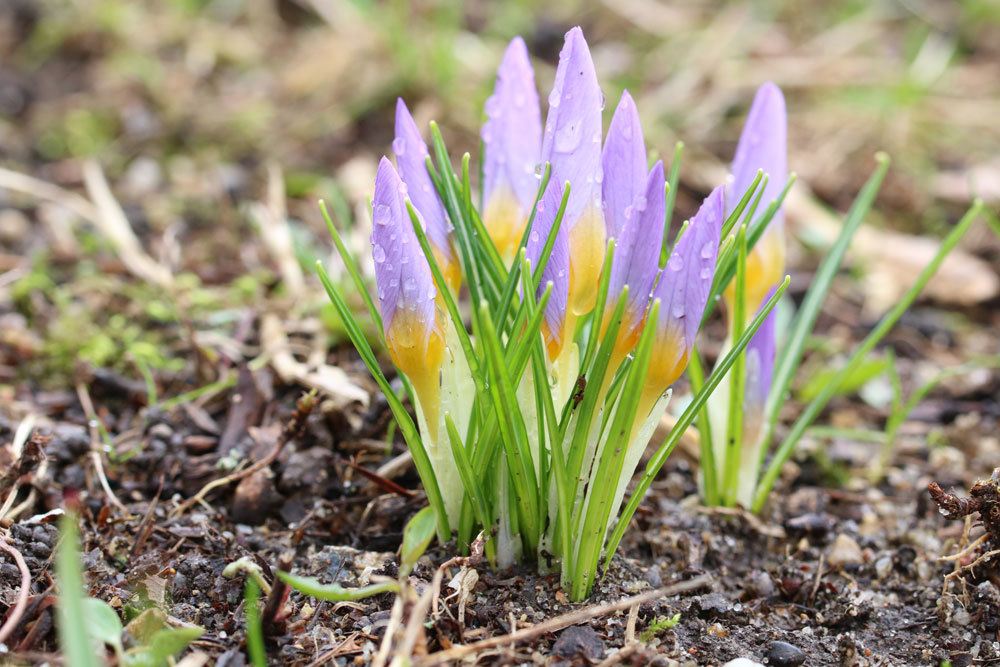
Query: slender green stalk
(707,463)
(255,633)
(734,423)
(790,355)
(888,321)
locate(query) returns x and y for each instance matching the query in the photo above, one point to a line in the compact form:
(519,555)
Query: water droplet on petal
(378,254)
(707,250)
(706,273)
(399,146)
(628,212)
(382,214)
(677,311)
(554,97)
(403,189)
(675,263)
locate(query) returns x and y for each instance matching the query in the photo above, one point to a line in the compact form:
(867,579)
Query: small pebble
(844,552)
(783,654)
(742,662)
(883,567)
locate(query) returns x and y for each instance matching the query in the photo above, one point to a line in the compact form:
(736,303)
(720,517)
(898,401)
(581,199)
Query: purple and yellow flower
(406,293)
(512,138)
(556,271)
(634,204)
(762,146)
(411,156)
(683,290)
(571,143)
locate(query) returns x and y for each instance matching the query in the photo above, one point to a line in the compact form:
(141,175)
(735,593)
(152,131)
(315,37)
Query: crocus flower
(556,269)
(512,138)
(411,155)
(762,146)
(634,205)
(572,144)
(406,292)
(683,290)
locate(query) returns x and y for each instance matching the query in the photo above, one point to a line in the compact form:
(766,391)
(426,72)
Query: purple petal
(402,274)
(513,131)
(685,282)
(637,253)
(762,146)
(411,154)
(624,165)
(557,267)
(647,239)
(572,138)
(760,363)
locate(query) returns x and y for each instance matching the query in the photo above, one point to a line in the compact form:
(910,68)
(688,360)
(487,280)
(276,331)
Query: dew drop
(706,273)
(535,238)
(675,263)
(399,146)
(641,203)
(707,250)
(677,311)
(403,189)
(378,254)
(629,210)
(554,97)
(382,214)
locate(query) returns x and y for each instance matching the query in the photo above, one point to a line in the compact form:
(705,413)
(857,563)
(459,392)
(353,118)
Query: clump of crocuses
(540,317)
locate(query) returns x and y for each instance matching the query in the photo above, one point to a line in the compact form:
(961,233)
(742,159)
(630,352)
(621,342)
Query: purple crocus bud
(406,291)
(762,146)
(512,138)
(411,155)
(634,206)
(556,269)
(572,144)
(624,167)
(683,292)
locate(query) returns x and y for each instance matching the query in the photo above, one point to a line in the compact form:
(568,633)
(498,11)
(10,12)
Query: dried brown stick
(14,617)
(564,621)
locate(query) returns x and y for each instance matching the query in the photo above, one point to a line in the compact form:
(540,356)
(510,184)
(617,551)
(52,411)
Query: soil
(836,571)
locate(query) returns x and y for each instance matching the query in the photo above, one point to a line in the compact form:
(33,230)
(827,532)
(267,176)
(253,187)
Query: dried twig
(293,429)
(564,621)
(96,446)
(14,617)
(112,222)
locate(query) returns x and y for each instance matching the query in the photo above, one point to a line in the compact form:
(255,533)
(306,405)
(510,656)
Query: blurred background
(206,119)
